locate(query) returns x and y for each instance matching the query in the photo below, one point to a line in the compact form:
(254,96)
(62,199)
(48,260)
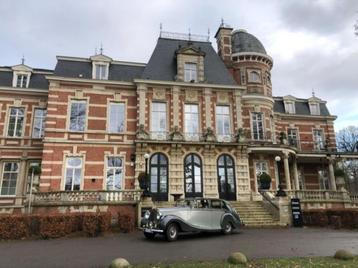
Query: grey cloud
(322,17)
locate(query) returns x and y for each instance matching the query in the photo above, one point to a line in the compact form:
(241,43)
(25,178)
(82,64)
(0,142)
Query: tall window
(257,126)
(33,177)
(226,177)
(323,179)
(191,121)
(260,167)
(292,137)
(73,173)
(39,123)
(193,176)
(159,176)
(114,173)
(21,80)
(101,71)
(159,120)
(16,122)
(190,72)
(314,108)
(318,139)
(116,117)
(78,116)
(223,128)
(9,178)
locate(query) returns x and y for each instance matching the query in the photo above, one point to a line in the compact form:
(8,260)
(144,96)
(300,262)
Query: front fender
(229,217)
(183,226)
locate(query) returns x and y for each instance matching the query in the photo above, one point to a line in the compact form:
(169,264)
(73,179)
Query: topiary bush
(237,258)
(343,255)
(13,227)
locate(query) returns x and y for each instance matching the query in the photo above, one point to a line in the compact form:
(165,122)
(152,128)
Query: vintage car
(190,215)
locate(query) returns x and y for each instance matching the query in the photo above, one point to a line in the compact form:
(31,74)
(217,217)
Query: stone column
(207,99)
(332,178)
(287,171)
(176,91)
(295,174)
(141,91)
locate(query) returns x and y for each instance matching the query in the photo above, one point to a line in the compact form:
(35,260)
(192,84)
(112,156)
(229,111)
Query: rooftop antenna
(208,35)
(23,59)
(101,49)
(313,93)
(189,35)
(161,29)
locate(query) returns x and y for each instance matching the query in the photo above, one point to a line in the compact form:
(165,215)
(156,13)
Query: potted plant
(265,181)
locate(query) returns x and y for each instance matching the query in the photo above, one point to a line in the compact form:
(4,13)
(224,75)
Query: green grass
(262,263)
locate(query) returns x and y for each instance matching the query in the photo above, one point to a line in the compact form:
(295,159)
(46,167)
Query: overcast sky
(312,42)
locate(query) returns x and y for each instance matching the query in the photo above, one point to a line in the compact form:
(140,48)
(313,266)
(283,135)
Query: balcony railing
(64,197)
(318,195)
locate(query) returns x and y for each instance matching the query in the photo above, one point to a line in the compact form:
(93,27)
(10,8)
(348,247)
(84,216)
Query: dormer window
(290,107)
(21,80)
(254,76)
(190,72)
(101,71)
(314,108)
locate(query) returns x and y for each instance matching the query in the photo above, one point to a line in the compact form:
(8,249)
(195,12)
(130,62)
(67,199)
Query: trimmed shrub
(90,224)
(237,258)
(13,227)
(126,223)
(55,226)
(119,263)
(343,255)
(104,220)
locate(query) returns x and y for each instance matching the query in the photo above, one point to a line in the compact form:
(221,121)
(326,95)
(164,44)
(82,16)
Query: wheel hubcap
(172,232)
(228,227)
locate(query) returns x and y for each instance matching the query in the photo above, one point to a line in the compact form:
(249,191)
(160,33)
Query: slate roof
(301,107)
(243,41)
(117,72)
(37,80)
(163,66)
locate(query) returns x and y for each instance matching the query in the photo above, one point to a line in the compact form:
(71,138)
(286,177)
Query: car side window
(216,204)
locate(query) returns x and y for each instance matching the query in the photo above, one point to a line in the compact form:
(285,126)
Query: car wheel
(149,235)
(172,232)
(227,228)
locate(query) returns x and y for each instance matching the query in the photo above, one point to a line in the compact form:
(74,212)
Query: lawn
(263,263)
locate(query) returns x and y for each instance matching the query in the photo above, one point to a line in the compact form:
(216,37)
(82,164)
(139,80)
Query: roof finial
(313,93)
(23,59)
(101,49)
(222,22)
(161,29)
(208,35)
(189,35)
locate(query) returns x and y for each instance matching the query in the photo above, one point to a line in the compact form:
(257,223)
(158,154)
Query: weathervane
(101,49)
(222,22)
(189,35)
(23,59)
(313,93)
(160,29)
(208,34)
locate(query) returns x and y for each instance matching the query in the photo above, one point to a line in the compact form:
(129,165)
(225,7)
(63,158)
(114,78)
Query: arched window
(226,177)
(193,176)
(254,76)
(159,177)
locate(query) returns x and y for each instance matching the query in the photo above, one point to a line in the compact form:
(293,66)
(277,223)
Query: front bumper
(151,226)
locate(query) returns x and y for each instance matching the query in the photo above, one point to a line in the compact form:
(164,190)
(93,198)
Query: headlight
(159,215)
(147,214)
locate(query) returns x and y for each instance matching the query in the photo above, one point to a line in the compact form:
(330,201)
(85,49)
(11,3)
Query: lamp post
(146,190)
(280,191)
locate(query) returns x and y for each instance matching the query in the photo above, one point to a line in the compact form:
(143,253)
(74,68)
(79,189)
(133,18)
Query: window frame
(70,111)
(161,134)
(318,145)
(290,107)
(313,111)
(2,177)
(224,136)
(192,164)
(190,73)
(122,169)
(259,137)
(160,196)
(43,123)
(251,79)
(289,136)
(101,66)
(67,157)
(22,75)
(267,170)
(16,120)
(225,166)
(193,136)
(28,178)
(116,103)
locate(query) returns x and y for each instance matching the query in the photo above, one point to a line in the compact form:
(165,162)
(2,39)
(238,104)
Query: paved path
(98,252)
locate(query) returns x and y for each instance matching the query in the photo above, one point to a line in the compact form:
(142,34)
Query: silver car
(190,215)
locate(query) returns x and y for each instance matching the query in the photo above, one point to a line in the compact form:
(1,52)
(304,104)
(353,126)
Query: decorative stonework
(223,97)
(142,134)
(159,93)
(191,95)
(176,135)
(209,135)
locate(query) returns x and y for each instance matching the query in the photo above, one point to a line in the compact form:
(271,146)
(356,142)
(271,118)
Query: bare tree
(347,139)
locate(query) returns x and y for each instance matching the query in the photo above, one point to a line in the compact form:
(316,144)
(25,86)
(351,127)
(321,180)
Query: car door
(200,215)
(217,213)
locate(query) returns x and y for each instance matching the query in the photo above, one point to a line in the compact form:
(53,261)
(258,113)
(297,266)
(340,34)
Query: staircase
(253,214)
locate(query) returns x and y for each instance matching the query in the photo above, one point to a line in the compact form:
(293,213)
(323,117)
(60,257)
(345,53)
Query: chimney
(223,40)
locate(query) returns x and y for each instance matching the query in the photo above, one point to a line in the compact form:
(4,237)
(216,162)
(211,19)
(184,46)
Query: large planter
(265,185)
(265,181)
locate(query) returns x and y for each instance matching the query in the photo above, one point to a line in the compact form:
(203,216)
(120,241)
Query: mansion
(202,123)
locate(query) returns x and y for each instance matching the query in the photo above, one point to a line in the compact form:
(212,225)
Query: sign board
(296,212)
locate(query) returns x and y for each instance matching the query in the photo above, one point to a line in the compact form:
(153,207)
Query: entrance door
(193,176)
(159,177)
(226,177)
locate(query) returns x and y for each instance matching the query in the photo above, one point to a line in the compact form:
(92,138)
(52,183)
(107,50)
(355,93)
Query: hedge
(57,225)
(343,218)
